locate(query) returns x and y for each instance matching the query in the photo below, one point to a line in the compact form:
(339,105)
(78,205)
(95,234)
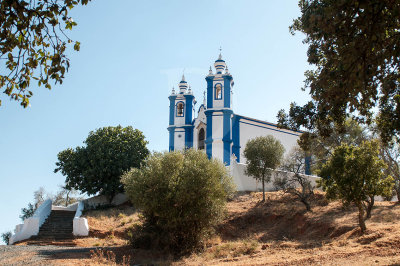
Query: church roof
(290,131)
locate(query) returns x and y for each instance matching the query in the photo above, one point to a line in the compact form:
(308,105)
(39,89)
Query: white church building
(217,129)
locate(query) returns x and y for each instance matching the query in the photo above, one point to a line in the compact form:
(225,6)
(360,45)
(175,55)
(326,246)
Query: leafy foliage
(27,212)
(320,148)
(293,181)
(6,237)
(390,153)
(182,196)
(33,44)
(63,197)
(355,175)
(98,166)
(263,155)
(354,46)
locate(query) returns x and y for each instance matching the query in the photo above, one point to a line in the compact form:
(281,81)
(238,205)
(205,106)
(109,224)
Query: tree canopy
(355,48)
(263,155)
(98,166)
(33,44)
(356,175)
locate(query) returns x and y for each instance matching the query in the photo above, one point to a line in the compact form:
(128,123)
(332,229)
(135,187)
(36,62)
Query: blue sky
(132,53)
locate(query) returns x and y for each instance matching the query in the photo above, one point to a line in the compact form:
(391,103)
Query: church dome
(219,64)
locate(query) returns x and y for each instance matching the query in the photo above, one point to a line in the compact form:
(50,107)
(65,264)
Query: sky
(132,54)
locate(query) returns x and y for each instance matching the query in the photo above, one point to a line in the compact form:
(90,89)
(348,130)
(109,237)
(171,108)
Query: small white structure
(217,129)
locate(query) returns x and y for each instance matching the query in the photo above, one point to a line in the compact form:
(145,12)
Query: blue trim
(209,80)
(307,162)
(171,109)
(183,126)
(210,112)
(215,91)
(227,91)
(189,108)
(270,129)
(176,109)
(171,139)
(202,105)
(236,137)
(209,140)
(189,137)
(226,138)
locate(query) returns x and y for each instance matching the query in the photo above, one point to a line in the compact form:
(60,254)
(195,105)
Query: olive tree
(182,197)
(292,179)
(263,155)
(356,175)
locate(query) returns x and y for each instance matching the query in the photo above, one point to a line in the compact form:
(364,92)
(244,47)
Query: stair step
(58,226)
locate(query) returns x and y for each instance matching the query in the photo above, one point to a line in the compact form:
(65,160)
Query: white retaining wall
(248,183)
(100,200)
(31,225)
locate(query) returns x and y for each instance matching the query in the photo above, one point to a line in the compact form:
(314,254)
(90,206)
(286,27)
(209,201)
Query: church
(217,129)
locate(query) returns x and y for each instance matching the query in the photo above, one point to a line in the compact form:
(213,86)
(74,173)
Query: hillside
(276,232)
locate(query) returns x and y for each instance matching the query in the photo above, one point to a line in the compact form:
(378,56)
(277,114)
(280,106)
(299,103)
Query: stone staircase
(58,226)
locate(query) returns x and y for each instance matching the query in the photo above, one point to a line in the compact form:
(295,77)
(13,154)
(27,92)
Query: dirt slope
(277,232)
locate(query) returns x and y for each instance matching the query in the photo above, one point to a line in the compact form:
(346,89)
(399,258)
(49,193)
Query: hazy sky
(132,53)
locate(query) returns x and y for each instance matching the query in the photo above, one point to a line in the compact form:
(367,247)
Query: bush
(182,196)
(6,237)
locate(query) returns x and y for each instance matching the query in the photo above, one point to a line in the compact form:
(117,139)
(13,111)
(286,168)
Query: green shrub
(182,196)
(6,237)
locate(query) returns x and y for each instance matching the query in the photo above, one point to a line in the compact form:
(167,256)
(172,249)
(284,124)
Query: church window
(201,139)
(179,109)
(218,91)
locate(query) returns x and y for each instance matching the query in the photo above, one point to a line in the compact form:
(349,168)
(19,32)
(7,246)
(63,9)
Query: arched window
(201,139)
(218,91)
(179,109)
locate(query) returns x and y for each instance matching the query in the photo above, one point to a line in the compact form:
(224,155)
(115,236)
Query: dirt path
(41,255)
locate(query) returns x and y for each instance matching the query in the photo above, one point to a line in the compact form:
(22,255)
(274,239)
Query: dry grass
(277,232)
(287,235)
(108,227)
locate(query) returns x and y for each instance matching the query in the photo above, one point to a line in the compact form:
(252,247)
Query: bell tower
(180,117)
(219,112)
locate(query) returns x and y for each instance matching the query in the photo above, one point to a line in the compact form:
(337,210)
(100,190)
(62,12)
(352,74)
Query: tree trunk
(398,194)
(361,221)
(263,186)
(369,207)
(307,204)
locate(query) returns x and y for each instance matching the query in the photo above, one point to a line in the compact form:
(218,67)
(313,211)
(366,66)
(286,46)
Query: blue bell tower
(181,109)
(219,112)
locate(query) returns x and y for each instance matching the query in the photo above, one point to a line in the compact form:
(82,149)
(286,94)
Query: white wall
(179,142)
(251,129)
(248,183)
